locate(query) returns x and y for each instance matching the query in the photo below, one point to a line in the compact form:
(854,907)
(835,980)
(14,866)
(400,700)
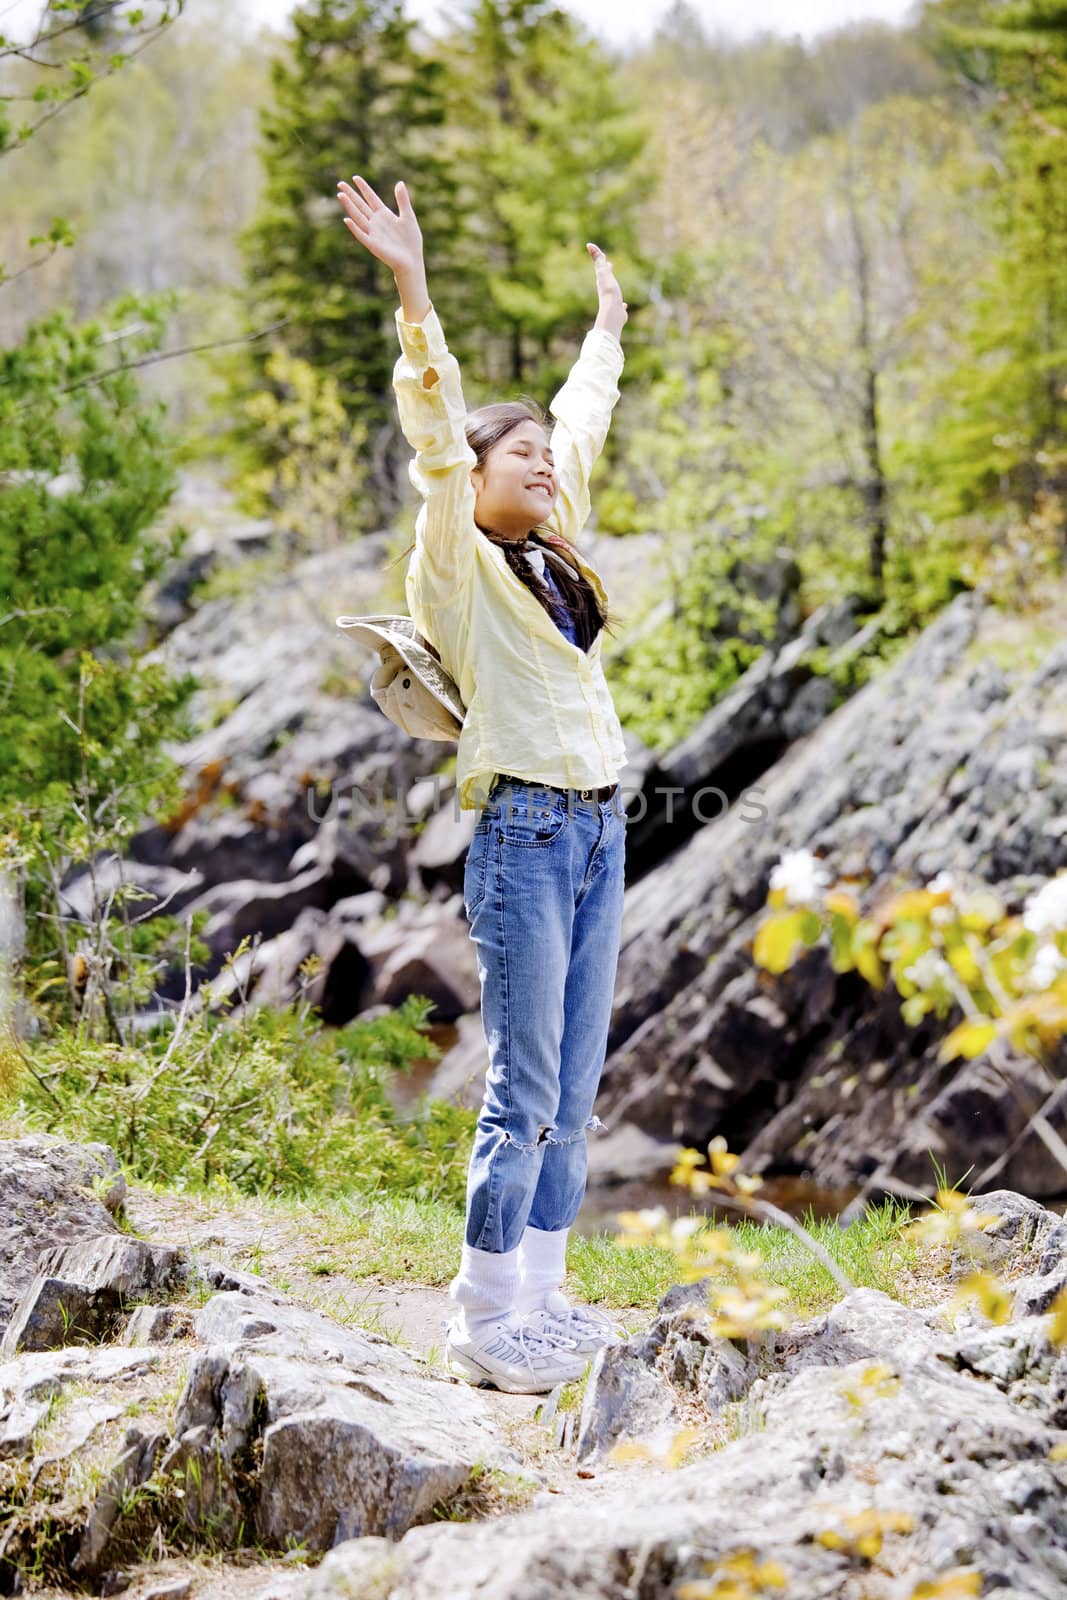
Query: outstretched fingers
(370,199)
(356,209)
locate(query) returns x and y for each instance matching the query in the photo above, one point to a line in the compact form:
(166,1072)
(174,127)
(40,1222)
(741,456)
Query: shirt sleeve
(582,410)
(432,413)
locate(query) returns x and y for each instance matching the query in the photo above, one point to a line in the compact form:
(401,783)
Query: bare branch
(151,361)
(77,94)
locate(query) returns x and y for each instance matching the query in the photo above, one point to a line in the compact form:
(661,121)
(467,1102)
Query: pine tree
(1004,436)
(548,157)
(352,94)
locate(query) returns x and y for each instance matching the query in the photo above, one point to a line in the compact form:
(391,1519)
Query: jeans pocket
(475,869)
(533,816)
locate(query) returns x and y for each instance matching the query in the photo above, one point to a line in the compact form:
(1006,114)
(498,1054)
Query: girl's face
(516,486)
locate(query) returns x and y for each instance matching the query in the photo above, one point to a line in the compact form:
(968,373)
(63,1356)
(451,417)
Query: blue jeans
(543,892)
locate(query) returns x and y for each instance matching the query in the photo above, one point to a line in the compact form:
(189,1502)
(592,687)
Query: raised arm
(428,392)
(583,406)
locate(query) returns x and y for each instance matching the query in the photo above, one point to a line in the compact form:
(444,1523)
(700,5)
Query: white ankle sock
(542,1266)
(485,1287)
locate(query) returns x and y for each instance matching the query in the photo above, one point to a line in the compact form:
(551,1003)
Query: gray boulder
(954,1451)
(317,1432)
(51,1193)
(82,1291)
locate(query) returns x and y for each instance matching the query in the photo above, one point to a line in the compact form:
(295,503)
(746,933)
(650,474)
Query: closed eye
(524,450)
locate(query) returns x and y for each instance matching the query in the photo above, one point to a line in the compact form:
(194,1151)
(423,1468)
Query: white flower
(927,969)
(685,1227)
(801,876)
(1047,966)
(944,883)
(654,1218)
(1046,911)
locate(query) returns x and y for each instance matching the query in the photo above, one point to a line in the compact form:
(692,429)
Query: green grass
(401,1238)
(405,1240)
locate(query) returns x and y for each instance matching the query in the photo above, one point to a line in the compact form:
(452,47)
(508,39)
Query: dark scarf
(578,597)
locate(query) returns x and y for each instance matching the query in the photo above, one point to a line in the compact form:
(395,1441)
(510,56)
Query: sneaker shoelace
(577,1321)
(527,1340)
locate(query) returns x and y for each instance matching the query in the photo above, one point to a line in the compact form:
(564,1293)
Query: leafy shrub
(270,1102)
(666,677)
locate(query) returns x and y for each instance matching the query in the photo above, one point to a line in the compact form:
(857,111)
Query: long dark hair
(485,428)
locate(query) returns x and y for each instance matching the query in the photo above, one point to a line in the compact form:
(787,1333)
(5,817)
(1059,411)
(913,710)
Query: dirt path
(251,1238)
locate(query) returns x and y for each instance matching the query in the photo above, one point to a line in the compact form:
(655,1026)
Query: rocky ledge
(154,1403)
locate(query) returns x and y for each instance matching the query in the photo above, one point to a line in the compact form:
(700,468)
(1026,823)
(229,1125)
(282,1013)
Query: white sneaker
(509,1355)
(581,1327)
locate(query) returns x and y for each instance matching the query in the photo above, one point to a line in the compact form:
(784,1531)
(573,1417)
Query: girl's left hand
(612,313)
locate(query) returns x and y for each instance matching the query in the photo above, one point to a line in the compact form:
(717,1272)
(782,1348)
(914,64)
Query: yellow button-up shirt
(537,706)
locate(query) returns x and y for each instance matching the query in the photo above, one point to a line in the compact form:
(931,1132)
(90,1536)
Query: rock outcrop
(867,1450)
(145,1387)
(938,764)
(51,1194)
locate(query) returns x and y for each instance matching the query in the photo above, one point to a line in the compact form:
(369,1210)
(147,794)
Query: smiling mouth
(541,488)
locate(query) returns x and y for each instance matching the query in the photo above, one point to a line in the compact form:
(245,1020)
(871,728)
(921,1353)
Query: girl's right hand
(393,236)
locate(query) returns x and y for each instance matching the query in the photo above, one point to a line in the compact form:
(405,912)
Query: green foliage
(1002,434)
(548,155)
(84,470)
(782,90)
(351,92)
(700,634)
(267,1103)
(66,60)
(315,475)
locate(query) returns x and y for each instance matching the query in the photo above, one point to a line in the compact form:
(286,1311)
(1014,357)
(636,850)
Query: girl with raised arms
(516,614)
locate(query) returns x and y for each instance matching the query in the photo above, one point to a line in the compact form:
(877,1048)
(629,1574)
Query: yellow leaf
(954,1585)
(967,1040)
(994,1300)
(911,903)
(869,965)
(980,909)
(771,1574)
(722,1161)
(962,961)
(777,940)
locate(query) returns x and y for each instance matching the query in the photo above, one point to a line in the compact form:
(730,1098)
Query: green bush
(268,1102)
(85,468)
(665,678)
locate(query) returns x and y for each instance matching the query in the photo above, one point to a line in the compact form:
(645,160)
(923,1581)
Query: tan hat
(409,685)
